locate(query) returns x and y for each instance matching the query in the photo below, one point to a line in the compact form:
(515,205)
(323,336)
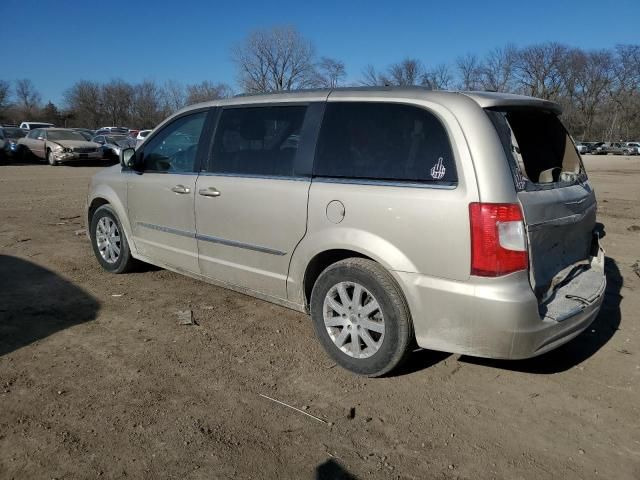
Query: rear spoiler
(494,100)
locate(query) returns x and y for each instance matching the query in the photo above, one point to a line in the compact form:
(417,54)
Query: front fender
(116,196)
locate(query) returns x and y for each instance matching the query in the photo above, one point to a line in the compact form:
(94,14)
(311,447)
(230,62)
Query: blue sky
(57,43)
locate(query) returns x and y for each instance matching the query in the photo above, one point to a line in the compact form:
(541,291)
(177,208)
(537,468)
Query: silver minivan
(457,221)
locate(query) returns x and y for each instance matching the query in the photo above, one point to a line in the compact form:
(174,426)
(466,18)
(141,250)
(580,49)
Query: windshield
(64,135)
(14,132)
(33,126)
(144,133)
(86,135)
(540,151)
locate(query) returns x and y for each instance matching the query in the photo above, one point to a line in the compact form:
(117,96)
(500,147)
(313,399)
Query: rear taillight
(498,241)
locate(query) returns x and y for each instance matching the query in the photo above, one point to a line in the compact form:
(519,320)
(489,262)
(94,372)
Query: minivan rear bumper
(489,317)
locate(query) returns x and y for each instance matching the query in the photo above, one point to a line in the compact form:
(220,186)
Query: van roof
(482,98)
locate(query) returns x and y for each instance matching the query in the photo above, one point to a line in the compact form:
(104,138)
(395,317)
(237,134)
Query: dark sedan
(113,144)
(9,137)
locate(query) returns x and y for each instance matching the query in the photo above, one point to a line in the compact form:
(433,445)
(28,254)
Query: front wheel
(109,242)
(360,317)
(51,160)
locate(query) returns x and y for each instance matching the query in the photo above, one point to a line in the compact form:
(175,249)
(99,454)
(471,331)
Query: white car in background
(142,134)
(34,125)
(632,148)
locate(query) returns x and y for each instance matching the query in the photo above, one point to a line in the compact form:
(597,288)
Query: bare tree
(5,94)
(497,69)
(329,73)
(84,99)
(147,106)
(438,78)
(625,94)
(27,96)
(588,77)
(205,91)
(370,77)
(409,71)
(539,70)
(117,98)
(469,71)
(274,60)
(174,96)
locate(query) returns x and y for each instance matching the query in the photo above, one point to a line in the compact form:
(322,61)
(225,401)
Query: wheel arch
(105,195)
(319,263)
(316,249)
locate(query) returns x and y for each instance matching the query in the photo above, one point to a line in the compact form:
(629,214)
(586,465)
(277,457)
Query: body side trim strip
(209,238)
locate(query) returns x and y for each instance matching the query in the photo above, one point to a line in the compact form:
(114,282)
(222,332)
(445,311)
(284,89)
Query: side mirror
(128,158)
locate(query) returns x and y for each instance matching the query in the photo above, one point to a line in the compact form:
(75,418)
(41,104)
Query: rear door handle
(209,192)
(180,189)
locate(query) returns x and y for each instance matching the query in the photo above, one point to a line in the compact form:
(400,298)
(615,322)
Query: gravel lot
(97,378)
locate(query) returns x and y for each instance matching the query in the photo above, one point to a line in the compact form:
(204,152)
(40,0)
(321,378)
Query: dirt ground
(98,379)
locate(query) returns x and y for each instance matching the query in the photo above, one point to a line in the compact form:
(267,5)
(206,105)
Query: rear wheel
(360,317)
(109,243)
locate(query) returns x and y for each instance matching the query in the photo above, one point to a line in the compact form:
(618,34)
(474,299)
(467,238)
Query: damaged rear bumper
(499,317)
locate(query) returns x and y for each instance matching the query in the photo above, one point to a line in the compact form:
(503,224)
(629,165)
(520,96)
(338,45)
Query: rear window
(538,147)
(384,141)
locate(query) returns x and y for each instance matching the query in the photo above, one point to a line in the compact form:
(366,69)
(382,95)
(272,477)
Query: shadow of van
(36,302)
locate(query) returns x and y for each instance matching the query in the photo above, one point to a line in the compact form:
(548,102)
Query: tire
(50,159)
(102,223)
(23,154)
(388,343)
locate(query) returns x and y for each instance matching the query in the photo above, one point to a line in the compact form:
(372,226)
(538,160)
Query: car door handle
(180,189)
(209,192)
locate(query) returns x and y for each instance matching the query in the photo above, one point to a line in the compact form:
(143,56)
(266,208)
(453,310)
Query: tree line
(598,89)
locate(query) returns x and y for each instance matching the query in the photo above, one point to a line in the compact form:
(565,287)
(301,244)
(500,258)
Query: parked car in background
(393,217)
(58,145)
(582,148)
(112,145)
(112,130)
(594,147)
(142,134)
(606,148)
(33,125)
(631,148)
(86,132)
(10,136)
(591,146)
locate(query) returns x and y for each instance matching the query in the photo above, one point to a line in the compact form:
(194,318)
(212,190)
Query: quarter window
(383,141)
(258,140)
(174,148)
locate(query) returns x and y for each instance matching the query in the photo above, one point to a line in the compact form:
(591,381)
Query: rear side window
(538,147)
(258,140)
(383,141)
